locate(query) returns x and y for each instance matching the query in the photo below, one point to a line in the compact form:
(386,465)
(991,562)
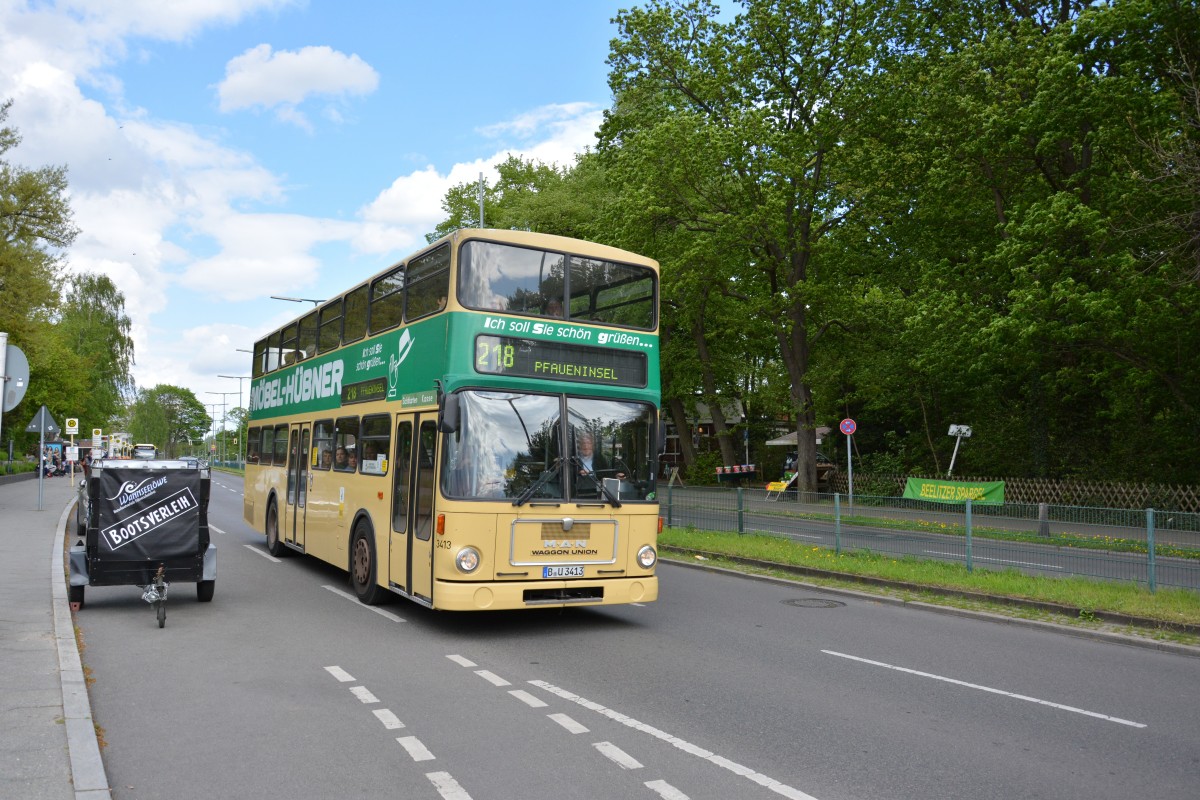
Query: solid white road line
(212,527)
(349,596)
(960,556)
(988,689)
(617,755)
(262,553)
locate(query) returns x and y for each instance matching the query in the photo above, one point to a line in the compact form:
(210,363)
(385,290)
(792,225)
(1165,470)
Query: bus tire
(274,546)
(204,591)
(363,568)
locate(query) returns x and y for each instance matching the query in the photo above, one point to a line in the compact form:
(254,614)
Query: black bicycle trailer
(144,523)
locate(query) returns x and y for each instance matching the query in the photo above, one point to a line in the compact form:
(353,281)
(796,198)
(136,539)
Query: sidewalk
(48,747)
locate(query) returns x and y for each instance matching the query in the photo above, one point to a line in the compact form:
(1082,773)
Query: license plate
(562,572)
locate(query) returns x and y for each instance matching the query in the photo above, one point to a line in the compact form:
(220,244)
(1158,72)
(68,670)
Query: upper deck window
(615,294)
(428,283)
(387,300)
(520,280)
(500,277)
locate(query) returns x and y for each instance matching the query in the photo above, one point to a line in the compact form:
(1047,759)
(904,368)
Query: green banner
(954,491)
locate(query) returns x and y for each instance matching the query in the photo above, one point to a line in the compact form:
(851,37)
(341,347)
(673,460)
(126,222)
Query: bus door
(297,485)
(412,506)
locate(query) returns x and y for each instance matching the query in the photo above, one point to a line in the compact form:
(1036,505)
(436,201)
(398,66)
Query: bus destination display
(534,358)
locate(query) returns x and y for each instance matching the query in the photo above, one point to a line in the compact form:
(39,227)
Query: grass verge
(1169,613)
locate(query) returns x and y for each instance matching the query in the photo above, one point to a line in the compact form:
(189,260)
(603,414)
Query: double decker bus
(475,427)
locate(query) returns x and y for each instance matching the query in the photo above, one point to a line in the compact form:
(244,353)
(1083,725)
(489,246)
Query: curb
(1081,633)
(87,767)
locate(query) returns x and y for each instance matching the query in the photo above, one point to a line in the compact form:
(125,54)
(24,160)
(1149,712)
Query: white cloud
(282,80)
(412,204)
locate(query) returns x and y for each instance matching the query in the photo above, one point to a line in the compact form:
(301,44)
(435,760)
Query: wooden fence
(1055,491)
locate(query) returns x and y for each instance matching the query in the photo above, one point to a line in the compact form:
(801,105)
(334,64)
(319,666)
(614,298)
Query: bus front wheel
(363,566)
(274,546)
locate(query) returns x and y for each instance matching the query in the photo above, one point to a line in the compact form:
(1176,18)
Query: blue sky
(222,151)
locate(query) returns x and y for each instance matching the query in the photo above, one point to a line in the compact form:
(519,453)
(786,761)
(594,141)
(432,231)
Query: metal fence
(1149,547)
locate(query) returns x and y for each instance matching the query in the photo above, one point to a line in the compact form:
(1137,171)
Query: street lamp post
(298,299)
(239,379)
(223,419)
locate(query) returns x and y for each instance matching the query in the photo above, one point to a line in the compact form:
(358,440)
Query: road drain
(813,602)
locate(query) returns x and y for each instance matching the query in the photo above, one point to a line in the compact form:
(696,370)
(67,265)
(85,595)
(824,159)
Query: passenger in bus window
(340,460)
(554,308)
(352,460)
(326,458)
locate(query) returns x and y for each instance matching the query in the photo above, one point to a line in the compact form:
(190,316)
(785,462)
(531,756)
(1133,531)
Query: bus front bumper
(454,596)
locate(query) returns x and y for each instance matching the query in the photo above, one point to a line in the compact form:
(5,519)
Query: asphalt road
(727,687)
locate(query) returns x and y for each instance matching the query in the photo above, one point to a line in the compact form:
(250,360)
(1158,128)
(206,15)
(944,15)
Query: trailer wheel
(363,567)
(204,591)
(274,546)
(75,595)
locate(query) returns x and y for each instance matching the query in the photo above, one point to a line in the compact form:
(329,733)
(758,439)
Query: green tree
(170,417)
(95,327)
(739,130)
(35,225)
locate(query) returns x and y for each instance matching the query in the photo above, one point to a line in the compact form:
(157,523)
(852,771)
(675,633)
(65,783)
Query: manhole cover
(813,602)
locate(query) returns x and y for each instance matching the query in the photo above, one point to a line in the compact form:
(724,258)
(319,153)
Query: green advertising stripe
(954,491)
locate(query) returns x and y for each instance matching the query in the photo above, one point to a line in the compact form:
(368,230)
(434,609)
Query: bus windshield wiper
(542,480)
(599,483)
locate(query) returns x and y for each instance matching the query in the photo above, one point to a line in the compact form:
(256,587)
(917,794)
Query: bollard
(1043,519)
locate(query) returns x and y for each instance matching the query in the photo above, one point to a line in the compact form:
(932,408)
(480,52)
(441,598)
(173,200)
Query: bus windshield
(562,447)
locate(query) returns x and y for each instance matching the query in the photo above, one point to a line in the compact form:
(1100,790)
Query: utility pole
(241,437)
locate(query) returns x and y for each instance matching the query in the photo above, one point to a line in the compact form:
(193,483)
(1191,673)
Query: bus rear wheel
(274,546)
(363,567)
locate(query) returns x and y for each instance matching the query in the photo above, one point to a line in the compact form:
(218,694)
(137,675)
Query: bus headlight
(646,557)
(467,560)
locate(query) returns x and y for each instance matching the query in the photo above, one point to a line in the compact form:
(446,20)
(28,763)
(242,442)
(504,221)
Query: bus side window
(322,457)
(267,451)
(330,335)
(253,441)
(428,284)
(375,439)
(354,324)
(345,453)
(281,445)
(387,300)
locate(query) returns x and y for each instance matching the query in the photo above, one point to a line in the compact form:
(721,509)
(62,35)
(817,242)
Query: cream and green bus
(475,427)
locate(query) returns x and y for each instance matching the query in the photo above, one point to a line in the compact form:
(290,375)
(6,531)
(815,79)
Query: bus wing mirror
(448,414)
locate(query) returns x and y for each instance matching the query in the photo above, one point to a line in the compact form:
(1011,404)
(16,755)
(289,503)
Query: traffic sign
(72,426)
(97,439)
(847,426)
(42,423)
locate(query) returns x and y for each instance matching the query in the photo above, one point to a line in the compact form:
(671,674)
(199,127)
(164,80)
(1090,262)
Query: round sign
(848,427)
